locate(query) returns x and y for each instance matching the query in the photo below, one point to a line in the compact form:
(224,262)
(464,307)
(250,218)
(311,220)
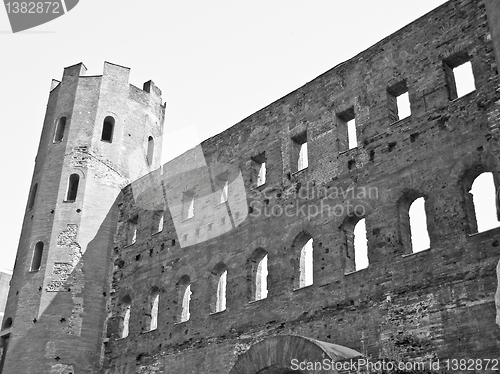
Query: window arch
(413,223)
(485,202)
(73,182)
(60,127)
(304,242)
(32,198)
(218,288)
(356,244)
(108,128)
(152,315)
(151,147)
(124,318)
(258,275)
(36,261)
(185,296)
(419,240)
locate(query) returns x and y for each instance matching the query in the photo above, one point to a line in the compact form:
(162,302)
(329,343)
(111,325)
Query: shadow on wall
(78,310)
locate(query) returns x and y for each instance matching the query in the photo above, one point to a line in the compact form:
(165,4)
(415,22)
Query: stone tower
(99,134)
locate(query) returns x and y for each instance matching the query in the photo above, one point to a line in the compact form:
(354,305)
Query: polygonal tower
(99,134)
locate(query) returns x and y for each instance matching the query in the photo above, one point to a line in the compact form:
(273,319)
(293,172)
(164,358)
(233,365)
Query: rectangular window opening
(259,167)
(459,75)
(398,102)
(188,205)
(132,230)
(300,157)
(346,130)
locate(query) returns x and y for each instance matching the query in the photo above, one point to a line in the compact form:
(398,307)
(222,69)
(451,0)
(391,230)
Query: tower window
(61,126)
(306,264)
(74,180)
(224,190)
(398,102)
(459,75)
(157,221)
(31,200)
(418,226)
(151,147)
(36,261)
(108,129)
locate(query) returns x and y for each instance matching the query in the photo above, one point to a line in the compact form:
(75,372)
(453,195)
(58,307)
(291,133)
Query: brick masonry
(430,305)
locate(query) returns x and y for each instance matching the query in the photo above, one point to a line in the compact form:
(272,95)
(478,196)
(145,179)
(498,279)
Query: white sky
(216,62)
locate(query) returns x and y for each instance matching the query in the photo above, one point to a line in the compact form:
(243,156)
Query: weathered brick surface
(438,303)
(58,310)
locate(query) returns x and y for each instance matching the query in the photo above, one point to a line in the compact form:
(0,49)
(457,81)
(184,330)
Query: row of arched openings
(414,236)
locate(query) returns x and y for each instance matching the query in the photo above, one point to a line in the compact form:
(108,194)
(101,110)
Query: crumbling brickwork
(434,304)
(205,264)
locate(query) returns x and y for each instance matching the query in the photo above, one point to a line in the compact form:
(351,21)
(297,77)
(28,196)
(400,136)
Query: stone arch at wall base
(276,355)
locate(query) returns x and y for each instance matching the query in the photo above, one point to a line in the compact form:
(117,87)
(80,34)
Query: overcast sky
(216,62)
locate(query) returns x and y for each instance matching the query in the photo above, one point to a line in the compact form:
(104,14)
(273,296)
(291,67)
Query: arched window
(258,274)
(304,243)
(151,148)
(125,317)
(360,245)
(185,293)
(306,264)
(59,133)
(31,200)
(356,246)
(108,127)
(418,226)
(154,299)
(218,287)
(74,180)
(36,261)
(484,200)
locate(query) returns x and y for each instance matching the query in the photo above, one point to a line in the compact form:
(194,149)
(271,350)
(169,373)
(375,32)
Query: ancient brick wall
(438,303)
(57,303)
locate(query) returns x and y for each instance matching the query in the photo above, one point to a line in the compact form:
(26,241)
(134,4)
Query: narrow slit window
(306,264)
(151,147)
(224,191)
(108,127)
(153,322)
(186,300)
(360,245)
(36,261)
(261,279)
(74,180)
(31,201)
(484,200)
(303,160)
(221,292)
(418,226)
(61,126)
(125,321)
